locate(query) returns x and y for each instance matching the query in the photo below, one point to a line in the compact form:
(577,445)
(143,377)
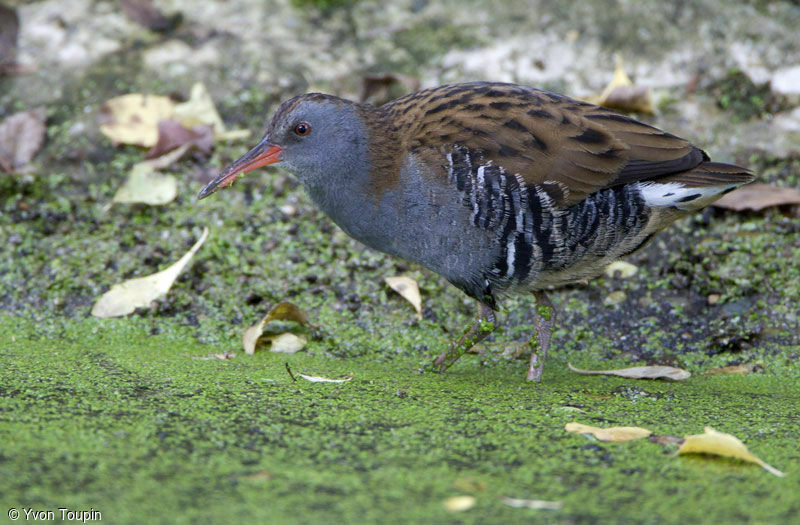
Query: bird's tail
(697,188)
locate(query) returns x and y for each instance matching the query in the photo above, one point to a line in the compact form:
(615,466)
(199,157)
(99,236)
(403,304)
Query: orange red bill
(263,154)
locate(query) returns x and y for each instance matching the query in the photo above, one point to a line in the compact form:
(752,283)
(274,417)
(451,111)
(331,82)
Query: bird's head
(314,136)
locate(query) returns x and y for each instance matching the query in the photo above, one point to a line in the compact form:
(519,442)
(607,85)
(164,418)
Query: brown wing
(539,135)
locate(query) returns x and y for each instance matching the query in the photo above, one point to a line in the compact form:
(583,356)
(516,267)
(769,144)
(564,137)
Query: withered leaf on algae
(286,342)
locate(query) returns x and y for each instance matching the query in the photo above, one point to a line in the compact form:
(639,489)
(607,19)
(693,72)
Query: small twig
(290,372)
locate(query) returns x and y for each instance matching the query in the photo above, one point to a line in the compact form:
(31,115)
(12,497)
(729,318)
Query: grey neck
(340,187)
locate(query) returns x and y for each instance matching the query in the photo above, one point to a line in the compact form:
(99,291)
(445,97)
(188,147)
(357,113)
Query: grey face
(320,138)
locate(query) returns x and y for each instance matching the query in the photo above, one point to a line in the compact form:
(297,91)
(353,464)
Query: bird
(502,189)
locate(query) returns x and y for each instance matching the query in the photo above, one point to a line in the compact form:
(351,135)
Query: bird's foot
(482,326)
(534,371)
(442,363)
(544,319)
(445,359)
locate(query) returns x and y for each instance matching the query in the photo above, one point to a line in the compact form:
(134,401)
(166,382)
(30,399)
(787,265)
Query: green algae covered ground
(115,415)
(102,415)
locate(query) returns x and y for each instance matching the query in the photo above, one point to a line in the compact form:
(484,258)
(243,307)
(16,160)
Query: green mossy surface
(100,414)
(115,415)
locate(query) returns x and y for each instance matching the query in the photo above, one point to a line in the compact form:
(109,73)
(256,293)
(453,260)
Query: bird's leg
(544,319)
(484,325)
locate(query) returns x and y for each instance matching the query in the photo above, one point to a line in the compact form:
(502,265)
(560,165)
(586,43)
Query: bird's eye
(302,129)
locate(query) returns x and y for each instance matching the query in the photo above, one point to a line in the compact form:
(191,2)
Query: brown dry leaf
(757,196)
(167,159)
(636,99)
(536,504)
(409,289)
(640,372)
(320,379)
(733,370)
(614,434)
(722,444)
(133,118)
(21,136)
(200,110)
(9,36)
(666,440)
(124,298)
(146,186)
(381,88)
(621,94)
(459,503)
(9,29)
(144,13)
(172,134)
(284,311)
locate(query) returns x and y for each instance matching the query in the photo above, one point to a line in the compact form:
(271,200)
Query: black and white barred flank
(533,234)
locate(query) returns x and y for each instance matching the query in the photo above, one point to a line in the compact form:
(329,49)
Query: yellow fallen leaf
(722,444)
(233,134)
(127,296)
(133,118)
(287,311)
(733,369)
(536,504)
(640,372)
(614,298)
(200,109)
(408,289)
(250,337)
(287,343)
(622,268)
(320,379)
(622,94)
(145,186)
(284,311)
(615,434)
(459,503)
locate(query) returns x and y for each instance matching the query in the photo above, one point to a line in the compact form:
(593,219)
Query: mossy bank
(116,415)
